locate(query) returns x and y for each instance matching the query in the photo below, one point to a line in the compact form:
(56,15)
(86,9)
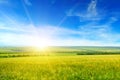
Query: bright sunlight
(40,44)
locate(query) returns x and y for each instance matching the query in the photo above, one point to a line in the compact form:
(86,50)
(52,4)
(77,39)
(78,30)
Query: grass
(60,63)
(83,67)
(6,52)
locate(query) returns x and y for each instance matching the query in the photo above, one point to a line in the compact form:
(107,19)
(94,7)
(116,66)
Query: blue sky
(60,22)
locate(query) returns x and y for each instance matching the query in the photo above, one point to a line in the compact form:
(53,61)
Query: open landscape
(60,63)
(59,39)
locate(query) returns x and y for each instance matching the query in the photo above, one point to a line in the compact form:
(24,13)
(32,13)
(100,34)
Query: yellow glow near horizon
(40,44)
(41,47)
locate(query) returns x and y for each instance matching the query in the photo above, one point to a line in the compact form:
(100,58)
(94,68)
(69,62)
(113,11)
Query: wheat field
(79,67)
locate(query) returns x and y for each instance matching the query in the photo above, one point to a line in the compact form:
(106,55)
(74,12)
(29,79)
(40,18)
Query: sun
(40,44)
(41,47)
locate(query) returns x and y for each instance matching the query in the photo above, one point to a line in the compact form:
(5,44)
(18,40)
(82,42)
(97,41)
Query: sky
(59,22)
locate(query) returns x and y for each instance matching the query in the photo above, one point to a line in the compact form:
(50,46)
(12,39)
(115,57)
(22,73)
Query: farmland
(60,63)
(57,51)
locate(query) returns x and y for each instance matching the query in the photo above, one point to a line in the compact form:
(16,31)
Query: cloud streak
(57,36)
(92,8)
(91,14)
(16,33)
(27,2)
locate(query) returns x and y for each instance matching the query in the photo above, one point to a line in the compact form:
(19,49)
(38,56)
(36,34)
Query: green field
(59,64)
(6,52)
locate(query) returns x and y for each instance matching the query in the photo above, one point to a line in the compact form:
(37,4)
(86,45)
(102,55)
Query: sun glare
(40,47)
(41,44)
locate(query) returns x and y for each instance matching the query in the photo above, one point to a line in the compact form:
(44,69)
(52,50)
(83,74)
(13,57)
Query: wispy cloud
(27,2)
(91,14)
(92,8)
(69,13)
(101,32)
(15,32)
(92,31)
(57,36)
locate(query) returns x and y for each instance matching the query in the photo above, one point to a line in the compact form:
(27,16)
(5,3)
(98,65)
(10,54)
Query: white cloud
(93,31)
(28,34)
(53,35)
(101,32)
(91,14)
(90,34)
(92,8)
(83,42)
